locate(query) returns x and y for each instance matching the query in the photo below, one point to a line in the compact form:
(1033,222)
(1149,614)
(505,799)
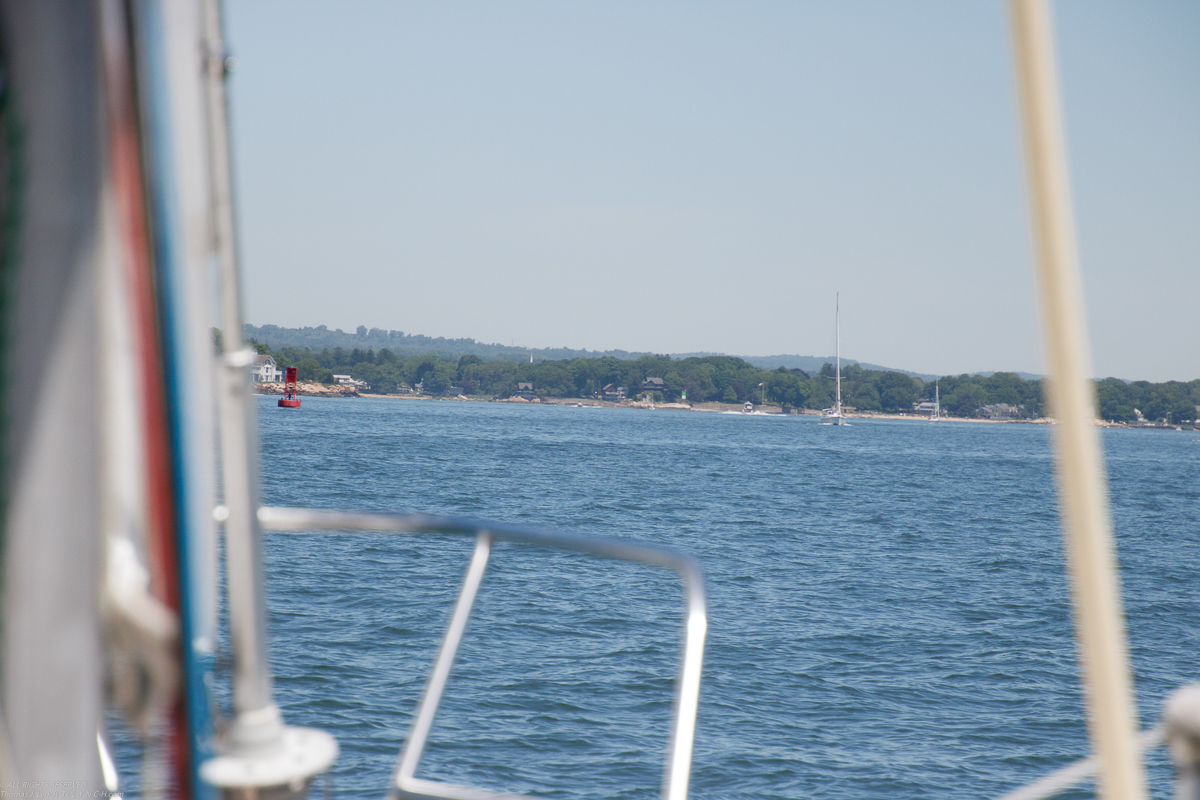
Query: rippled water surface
(888,612)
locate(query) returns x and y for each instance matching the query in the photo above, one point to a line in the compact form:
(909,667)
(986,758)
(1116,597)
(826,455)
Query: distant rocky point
(309,389)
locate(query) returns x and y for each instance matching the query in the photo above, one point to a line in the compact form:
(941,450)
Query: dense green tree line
(1173,401)
(728,380)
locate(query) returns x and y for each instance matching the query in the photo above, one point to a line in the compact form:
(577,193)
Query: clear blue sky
(682,176)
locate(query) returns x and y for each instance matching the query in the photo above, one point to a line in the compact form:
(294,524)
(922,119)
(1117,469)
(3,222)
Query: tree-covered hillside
(408,344)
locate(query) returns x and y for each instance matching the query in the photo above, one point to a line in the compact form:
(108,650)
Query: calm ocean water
(888,610)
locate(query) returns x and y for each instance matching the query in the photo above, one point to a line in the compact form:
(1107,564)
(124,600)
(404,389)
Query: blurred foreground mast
(1083,492)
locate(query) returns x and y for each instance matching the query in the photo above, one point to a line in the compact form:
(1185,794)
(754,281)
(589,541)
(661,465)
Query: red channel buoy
(289,399)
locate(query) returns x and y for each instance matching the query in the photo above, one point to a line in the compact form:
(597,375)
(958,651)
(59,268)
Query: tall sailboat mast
(837,333)
(833,416)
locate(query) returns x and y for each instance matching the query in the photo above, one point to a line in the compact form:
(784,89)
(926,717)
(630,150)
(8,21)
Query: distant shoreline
(711,408)
(701,407)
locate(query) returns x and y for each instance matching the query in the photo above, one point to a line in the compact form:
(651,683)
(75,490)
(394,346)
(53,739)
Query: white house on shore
(346,380)
(266,370)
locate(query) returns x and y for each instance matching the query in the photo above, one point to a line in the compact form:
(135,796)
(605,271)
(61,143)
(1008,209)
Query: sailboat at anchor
(833,416)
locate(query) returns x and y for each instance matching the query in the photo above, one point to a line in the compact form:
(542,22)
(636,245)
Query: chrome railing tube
(427,707)
(404,784)
(1077,772)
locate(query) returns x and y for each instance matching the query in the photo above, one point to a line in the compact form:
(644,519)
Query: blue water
(888,611)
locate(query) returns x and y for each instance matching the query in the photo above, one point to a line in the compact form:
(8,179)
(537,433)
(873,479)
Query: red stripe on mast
(129,191)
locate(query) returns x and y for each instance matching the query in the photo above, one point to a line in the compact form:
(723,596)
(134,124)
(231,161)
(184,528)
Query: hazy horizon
(674,177)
